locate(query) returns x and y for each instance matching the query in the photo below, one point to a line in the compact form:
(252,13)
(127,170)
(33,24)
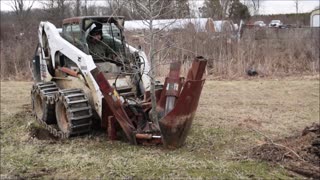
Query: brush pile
(300,153)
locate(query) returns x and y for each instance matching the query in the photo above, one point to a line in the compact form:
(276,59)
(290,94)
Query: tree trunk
(152,75)
(78,4)
(85,8)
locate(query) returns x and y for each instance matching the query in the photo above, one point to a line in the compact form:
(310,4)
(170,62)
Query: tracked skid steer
(78,88)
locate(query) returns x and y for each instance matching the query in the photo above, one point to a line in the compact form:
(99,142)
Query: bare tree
(253,5)
(149,11)
(296,3)
(256,6)
(21,9)
(212,9)
(85,7)
(183,9)
(115,6)
(225,4)
(216,9)
(77,8)
(56,10)
(61,5)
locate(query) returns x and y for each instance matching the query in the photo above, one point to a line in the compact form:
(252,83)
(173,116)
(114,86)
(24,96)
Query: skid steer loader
(76,89)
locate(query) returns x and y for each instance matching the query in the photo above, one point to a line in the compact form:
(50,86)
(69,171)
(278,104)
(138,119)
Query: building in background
(199,25)
(315,18)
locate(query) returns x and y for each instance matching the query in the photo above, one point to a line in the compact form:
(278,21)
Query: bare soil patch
(36,174)
(299,153)
(250,122)
(34,131)
(40,134)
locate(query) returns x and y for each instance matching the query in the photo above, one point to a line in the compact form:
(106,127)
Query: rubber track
(79,112)
(50,94)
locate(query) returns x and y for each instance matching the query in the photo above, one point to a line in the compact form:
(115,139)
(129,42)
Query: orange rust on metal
(198,68)
(147,98)
(175,70)
(146,105)
(112,134)
(69,71)
(72,20)
(177,123)
(114,105)
(77,20)
(144,136)
(151,142)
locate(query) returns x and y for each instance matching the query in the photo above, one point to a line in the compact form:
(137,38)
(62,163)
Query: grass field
(229,115)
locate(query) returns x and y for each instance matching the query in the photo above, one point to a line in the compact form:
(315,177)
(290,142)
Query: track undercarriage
(64,112)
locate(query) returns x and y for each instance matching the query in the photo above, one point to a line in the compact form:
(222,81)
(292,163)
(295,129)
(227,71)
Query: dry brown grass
(275,107)
(272,52)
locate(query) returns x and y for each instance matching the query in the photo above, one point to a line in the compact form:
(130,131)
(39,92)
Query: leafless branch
(20,8)
(276,144)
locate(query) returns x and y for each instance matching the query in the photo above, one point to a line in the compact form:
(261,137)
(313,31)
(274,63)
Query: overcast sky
(287,6)
(266,6)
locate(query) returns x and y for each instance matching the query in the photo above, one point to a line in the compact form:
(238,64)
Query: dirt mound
(299,153)
(40,133)
(34,130)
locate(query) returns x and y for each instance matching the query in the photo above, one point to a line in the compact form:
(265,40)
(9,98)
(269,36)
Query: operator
(97,47)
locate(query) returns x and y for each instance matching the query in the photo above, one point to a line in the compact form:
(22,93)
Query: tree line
(19,27)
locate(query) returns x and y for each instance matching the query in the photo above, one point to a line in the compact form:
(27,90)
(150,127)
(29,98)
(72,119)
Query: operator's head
(96,34)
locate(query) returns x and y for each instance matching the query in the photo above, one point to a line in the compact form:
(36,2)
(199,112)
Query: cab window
(112,36)
(72,33)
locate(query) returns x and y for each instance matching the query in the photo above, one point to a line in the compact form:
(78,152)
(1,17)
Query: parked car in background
(259,24)
(286,26)
(275,23)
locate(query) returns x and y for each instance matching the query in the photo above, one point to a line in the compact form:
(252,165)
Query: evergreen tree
(182,9)
(238,11)
(212,9)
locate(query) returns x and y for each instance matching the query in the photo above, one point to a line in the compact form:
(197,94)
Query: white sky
(276,6)
(287,6)
(266,6)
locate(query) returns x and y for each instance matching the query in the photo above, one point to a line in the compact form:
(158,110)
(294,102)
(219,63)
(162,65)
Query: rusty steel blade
(177,123)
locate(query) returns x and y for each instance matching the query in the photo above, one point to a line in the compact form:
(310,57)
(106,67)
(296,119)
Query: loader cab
(77,31)
(71,31)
